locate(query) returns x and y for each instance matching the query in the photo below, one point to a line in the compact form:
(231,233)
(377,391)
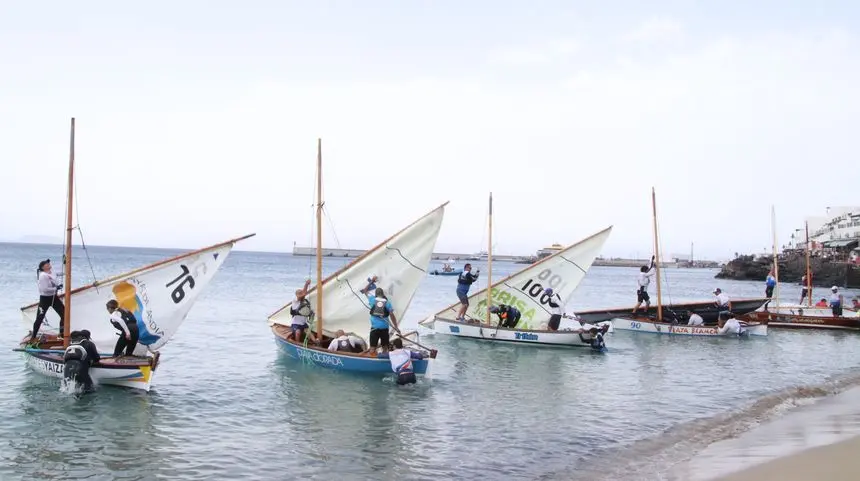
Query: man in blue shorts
(464,282)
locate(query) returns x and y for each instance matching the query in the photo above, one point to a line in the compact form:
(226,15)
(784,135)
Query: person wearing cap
(48,298)
(724,304)
(509,316)
(836,301)
(644,279)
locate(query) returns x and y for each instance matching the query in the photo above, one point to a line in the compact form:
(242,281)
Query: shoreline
(832,462)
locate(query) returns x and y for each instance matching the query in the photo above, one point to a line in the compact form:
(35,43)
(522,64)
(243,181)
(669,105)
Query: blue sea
(226,405)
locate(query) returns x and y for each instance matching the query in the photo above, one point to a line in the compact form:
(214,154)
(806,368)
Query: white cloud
(656,29)
(537,54)
(722,131)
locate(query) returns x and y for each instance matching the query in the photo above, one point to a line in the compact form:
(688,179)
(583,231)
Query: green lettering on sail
(498,296)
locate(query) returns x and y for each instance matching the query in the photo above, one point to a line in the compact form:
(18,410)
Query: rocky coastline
(792,267)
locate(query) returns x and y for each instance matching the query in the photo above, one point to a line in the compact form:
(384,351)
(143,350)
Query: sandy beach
(834,462)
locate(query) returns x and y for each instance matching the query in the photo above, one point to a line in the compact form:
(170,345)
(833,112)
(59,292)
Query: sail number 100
(536,288)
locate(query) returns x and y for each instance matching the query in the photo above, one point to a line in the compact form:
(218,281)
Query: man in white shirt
(345,343)
(695,320)
(729,326)
(724,304)
(300,310)
(645,275)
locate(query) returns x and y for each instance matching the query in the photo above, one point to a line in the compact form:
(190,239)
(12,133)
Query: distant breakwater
(792,267)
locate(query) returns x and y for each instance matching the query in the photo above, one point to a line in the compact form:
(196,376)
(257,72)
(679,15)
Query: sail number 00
(179,291)
(536,289)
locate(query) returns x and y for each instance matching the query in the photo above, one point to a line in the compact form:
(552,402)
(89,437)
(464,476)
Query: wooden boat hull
(443,273)
(794,321)
(538,338)
(131,372)
(654,327)
(677,312)
(338,361)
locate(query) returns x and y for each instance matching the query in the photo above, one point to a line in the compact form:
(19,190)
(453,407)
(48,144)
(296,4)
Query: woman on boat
(126,323)
(48,298)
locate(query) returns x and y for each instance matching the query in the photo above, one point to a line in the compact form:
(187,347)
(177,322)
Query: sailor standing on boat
(645,275)
(301,311)
(48,297)
(805,291)
(401,362)
(724,304)
(381,317)
(464,282)
(836,302)
(770,284)
(78,357)
(126,323)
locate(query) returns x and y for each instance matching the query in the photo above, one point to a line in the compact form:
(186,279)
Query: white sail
(400,263)
(562,271)
(159,296)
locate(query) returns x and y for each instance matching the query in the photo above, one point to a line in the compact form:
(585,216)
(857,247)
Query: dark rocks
(792,267)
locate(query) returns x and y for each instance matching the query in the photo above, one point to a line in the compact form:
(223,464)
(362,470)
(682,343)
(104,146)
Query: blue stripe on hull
(340,362)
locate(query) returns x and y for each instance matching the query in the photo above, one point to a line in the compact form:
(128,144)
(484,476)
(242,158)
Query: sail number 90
(179,291)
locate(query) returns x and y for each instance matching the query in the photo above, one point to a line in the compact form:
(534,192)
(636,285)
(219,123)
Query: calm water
(225,404)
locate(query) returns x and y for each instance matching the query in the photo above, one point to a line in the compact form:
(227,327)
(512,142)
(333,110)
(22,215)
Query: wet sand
(834,462)
(808,441)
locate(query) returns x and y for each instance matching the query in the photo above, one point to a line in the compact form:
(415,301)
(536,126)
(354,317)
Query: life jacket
(379,308)
(304,309)
(344,345)
(465,278)
(75,352)
(130,320)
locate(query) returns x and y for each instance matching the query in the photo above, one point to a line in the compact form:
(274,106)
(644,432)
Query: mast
(775,254)
(319,240)
(657,256)
(490,259)
(808,270)
(67,255)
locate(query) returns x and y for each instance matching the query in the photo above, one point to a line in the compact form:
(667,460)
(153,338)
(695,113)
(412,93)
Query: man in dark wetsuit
(401,362)
(509,316)
(78,358)
(464,282)
(127,325)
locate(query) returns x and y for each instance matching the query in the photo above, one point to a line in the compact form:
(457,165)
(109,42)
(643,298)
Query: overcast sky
(197,120)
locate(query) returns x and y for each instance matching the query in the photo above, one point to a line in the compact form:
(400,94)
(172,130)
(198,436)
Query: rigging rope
(81,234)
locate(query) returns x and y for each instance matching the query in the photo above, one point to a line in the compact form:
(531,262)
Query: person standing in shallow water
(49,287)
(401,362)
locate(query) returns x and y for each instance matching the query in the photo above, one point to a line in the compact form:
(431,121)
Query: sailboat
(659,325)
(159,295)
(798,316)
(400,263)
(524,290)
